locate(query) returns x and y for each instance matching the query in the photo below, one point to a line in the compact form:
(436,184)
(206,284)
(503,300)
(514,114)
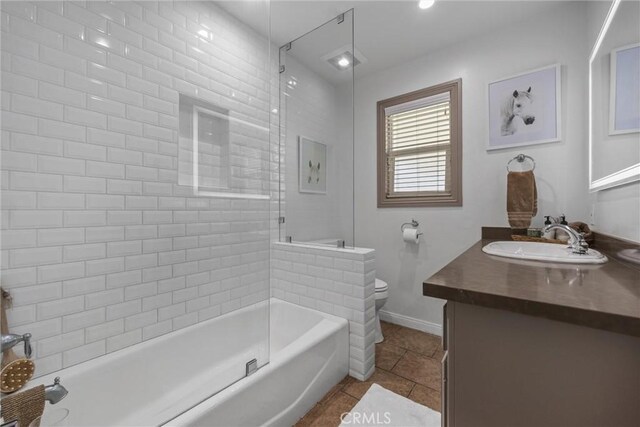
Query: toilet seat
(381,285)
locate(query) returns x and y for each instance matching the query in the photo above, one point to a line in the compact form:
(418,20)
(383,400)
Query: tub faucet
(56,392)
(10,340)
(576,240)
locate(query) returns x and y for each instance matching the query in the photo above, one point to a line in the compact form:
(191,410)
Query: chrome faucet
(576,240)
(56,392)
(10,340)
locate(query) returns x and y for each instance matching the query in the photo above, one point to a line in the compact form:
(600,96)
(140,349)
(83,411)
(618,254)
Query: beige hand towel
(522,198)
(25,406)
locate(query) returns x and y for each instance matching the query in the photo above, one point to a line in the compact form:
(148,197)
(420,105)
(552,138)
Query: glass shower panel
(316,134)
(225,162)
(234,167)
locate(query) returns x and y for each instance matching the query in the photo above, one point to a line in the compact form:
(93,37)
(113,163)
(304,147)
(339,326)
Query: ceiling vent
(342,59)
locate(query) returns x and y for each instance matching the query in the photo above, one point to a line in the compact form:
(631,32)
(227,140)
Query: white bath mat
(381,407)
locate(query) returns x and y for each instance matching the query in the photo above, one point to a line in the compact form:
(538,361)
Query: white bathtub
(170,380)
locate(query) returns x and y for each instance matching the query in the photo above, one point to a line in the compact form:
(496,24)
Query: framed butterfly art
(312,166)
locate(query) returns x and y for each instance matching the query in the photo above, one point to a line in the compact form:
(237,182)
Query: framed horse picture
(312,166)
(525,109)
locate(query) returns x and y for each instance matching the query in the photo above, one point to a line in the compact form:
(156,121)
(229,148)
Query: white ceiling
(387,33)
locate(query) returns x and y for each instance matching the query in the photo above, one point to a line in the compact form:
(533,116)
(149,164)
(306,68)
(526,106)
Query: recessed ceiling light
(343,62)
(426,4)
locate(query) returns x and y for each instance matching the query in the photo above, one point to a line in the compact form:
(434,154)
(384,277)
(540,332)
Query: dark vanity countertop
(605,296)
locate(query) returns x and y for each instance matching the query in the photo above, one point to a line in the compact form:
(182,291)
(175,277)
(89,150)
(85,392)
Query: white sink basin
(549,252)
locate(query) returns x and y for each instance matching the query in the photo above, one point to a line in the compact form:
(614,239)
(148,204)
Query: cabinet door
(445,327)
(445,388)
(448,363)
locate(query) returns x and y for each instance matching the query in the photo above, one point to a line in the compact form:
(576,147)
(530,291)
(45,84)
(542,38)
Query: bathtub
(171,380)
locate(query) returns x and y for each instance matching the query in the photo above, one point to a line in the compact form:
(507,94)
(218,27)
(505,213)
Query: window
(420,148)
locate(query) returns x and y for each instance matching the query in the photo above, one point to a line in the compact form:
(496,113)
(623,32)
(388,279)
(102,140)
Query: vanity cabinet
(507,369)
(538,344)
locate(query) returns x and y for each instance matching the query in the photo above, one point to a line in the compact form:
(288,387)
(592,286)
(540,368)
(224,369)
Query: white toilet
(382,292)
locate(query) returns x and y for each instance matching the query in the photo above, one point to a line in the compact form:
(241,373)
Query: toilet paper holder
(413,224)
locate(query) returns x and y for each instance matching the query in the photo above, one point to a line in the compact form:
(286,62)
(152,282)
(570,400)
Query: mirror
(614,99)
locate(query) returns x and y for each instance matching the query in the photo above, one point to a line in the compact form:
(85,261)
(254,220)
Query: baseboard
(410,322)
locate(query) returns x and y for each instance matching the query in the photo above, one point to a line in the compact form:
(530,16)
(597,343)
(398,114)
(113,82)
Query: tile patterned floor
(407,363)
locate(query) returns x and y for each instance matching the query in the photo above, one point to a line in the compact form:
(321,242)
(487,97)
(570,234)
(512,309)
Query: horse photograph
(525,109)
(517,108)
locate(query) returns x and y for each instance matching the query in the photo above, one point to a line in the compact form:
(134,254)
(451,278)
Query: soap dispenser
(560,234)
(550,234)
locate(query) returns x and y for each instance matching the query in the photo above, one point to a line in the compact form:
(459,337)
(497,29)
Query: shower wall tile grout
(335,281)
(101,248)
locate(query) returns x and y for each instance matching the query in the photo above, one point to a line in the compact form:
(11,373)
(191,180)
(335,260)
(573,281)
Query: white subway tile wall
(335,281)
(101,248)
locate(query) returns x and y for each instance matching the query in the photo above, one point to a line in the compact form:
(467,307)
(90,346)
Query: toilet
(382,292)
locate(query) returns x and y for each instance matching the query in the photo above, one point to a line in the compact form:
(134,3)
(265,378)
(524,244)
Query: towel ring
(520,158)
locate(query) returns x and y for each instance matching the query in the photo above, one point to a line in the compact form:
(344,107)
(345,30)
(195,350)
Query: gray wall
(561,170)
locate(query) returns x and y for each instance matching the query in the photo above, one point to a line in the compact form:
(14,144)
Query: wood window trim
(454,87)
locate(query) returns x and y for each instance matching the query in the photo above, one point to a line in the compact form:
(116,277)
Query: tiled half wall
(335,281)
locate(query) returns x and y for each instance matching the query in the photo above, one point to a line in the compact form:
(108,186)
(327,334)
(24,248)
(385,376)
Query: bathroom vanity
(535,343)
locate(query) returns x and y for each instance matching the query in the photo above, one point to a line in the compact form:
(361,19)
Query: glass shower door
(225,162)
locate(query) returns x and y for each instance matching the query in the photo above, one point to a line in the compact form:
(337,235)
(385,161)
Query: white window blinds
(418,147)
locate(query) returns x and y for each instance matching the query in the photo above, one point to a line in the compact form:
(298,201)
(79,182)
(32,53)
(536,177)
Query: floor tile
(420,369)
(426,396)
(407,363)
(388,329)
(416,341)
(387,355)
(346,380)
(383,378)
(339,404)
(311,416)
(327,397)
(438,355)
